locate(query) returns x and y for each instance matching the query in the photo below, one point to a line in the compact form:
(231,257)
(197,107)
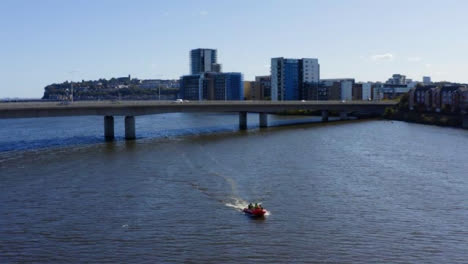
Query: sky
(52,41)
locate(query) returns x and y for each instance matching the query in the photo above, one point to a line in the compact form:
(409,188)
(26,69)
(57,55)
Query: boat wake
(219,171)
(238,204)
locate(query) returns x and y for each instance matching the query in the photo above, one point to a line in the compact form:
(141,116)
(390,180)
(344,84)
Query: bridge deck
(135,108)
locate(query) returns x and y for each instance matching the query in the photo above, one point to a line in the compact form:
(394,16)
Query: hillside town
(122,88)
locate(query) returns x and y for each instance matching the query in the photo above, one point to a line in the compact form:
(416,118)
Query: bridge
(130,109)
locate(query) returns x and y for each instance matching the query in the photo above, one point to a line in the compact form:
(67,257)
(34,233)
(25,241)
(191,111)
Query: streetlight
(71,83)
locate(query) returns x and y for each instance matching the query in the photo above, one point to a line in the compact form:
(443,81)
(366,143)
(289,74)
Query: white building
(347,90)
(311,70)
(366,91)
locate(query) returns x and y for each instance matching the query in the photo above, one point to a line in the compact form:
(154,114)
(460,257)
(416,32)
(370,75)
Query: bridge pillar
(263,120)
(343,115)
(324,115)
(242,120)
(130,127)
(465,121)
(109,127)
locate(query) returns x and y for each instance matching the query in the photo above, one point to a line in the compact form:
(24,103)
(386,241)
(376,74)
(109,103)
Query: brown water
(366,192)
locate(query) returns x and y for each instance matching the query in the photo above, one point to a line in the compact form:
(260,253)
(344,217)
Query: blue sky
(51,41)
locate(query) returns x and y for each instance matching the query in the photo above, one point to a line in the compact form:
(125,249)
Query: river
(358,191)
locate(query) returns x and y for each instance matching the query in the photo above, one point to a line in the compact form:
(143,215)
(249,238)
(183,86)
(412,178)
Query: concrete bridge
(130,109)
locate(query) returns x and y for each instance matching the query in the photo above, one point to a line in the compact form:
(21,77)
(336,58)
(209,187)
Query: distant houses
(122,88)
(448,98)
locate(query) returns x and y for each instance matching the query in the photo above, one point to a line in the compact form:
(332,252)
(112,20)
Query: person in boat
(256,206)
(250,206)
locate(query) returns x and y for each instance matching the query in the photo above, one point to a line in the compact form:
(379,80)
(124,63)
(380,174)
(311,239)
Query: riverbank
(437,119)
(401,112)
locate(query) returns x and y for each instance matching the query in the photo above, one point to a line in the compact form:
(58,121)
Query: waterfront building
(426,80)
(447,97)
(263,87)
(191,87)
(357,91)
(260,89)
(315,91)
(289,75)
(227,86)
(392,91)
(204,60)
(216,67)
(397,79)
(339,88)
(248,89)
(253,90)
(366,91)
(347,90)
(420,97)
(377,93)
(212,86)
(461,99)
(207,82)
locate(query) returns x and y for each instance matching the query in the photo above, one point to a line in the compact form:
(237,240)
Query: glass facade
(203,60)
(291,80)
(190,87)
(234,86)
(212,86)
(288,77)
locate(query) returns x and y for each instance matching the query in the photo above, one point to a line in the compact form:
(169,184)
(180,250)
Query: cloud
(203,13)
(382,57)
(428,65)
(414,59)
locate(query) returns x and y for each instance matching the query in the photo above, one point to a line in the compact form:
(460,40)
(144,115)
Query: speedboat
(254,212)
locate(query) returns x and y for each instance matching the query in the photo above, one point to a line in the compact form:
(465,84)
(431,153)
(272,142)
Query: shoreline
(437,119)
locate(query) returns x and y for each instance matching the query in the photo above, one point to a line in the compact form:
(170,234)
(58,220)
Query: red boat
(258,212)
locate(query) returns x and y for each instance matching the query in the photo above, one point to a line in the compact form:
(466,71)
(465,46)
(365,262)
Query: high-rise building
(212,86)
(204,60)
(191,87)
(223,86)
(289,75)
(263,87)
(215,67)
(347,90)
(338,89)
(397,79)
(366,91)
(315,91)
(207,82)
